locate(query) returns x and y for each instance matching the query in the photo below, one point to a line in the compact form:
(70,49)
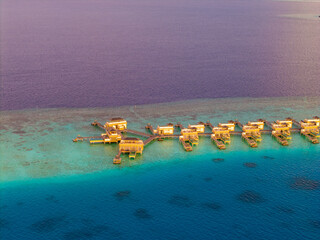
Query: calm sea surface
(76,53)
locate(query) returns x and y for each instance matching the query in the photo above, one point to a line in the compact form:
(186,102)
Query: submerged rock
(249,196)
(302,183)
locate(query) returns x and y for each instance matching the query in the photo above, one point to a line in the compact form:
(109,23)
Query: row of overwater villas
(251,133)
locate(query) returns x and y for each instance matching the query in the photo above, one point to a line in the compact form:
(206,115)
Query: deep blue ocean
(204,197)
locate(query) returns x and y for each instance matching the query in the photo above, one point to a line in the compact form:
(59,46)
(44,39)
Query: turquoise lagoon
(52,188)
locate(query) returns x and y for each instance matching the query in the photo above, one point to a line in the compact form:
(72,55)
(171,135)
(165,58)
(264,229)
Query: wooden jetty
(116,129)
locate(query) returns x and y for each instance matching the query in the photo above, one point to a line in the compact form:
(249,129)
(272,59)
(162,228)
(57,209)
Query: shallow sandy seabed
(38,143)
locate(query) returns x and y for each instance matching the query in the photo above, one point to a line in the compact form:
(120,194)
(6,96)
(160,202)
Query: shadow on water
(249,196)
(121,195)
(303,183)
(47,224)
(142,213)
(180,201)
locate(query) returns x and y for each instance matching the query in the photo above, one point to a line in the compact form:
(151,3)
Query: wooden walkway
(79,138)
(179,125)
(99,125)
(150,128)
(138,133)
(150,139)
(295,122)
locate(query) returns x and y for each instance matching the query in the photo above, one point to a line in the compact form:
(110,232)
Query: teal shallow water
(65,190)
(37,143)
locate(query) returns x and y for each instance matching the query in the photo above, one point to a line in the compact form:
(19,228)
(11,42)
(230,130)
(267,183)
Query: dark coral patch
(3,207)
(284,225)
(208,179)
(285,209)
(302,183)
(213,206)
(19,132)
(250,164)
(48,224)
(315,223)
(142,214)
(218,159)
(85,233)
(267,157)
(121,195)
(181,201)
(87,221)
(249,196)
(52,198)
(3,223)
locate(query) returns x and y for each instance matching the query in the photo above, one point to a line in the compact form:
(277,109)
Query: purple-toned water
(76,53)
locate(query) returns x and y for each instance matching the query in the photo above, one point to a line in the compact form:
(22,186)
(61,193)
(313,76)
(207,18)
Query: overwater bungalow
(118,123)
(199,127)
